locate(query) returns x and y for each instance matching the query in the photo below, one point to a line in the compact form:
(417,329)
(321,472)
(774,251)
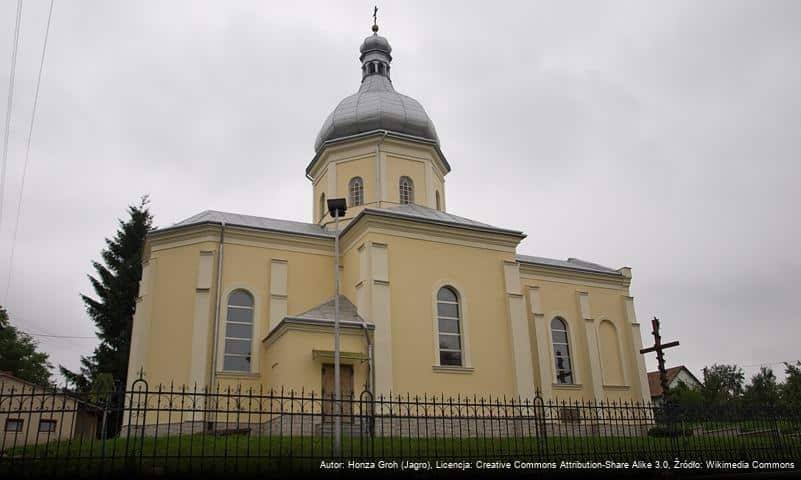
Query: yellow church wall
(337,164)
(558,294)
(319,188)
(172,289)
(172,299)
(294,368)
(396,167)
(363,167)
(417,269)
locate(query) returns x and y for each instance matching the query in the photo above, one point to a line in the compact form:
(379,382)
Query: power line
(27,153)
(73,337)
(9,105)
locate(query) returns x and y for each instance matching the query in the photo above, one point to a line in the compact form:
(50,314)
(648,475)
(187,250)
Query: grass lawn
(210,453)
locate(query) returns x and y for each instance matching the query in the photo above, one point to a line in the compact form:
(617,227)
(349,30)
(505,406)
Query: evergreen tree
(116,287)
(18,353)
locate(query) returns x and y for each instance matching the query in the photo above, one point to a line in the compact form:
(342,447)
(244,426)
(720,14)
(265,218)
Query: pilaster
(278,291)
(542,336)
(593,352)
(636,342)
(199,361)
(518,329)
(373,304)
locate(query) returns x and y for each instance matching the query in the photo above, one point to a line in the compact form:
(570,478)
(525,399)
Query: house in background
(31,413)
(675,375)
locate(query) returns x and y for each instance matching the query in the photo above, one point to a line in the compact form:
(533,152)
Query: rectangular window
(450,358)
(234,363)
(14,424)
(47,426)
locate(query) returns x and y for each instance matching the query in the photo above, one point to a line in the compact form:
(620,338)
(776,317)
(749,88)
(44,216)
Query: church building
(431,302)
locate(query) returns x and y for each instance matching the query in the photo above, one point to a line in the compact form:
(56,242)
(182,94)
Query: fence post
(540,428)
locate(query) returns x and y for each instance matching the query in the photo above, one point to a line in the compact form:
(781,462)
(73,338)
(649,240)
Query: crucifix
(659,348)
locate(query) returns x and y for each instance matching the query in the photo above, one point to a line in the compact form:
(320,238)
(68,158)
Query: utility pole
(337,208)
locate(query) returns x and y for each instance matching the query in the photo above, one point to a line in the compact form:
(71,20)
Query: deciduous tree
(19,354)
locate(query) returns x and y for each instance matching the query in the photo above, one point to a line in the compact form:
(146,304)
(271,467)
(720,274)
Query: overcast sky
(664,136)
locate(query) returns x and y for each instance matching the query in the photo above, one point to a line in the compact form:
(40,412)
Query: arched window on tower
(439,205)
(238,332)
(322,206)
(561,351)
(406,187)
(356,189)
(449,327)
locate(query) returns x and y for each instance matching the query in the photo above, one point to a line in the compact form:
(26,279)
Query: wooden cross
(659,348)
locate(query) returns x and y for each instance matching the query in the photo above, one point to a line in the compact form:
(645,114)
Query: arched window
(356,189)
(322,206)
(449,326)
(439,206)
(238,332)
(406,190)
(561,351)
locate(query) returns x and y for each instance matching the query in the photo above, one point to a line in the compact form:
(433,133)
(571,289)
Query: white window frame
(464,325)
(255,331)
(409,190)
(352,192)
(570,353)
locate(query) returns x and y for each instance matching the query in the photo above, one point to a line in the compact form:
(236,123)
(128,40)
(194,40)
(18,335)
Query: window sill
(452,369)
(616,387)
(567,386)
(238,375)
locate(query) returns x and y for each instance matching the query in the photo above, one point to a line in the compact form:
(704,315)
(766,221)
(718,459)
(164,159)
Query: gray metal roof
(570,263)
(418,212)
(250,221)
(325,312)
(376,106)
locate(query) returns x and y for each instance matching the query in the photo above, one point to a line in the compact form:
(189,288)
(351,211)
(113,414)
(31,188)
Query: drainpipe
(214,353)
(370,346)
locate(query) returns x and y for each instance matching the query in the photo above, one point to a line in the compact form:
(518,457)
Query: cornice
(367,221)
(579,277)
(312,170)
(289,324)
(210,232)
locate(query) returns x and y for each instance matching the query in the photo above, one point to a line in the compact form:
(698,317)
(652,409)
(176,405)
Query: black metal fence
(168,429)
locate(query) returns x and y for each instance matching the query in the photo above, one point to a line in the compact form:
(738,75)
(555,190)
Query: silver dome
(376,106)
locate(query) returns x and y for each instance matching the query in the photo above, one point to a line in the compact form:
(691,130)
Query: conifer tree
(116,287)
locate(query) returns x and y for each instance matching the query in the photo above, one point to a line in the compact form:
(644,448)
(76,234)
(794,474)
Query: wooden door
(346,382)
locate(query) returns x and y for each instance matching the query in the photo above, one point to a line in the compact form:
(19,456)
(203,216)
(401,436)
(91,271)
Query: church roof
(325,312)
(570,263)
(250,221)
(376,106)
(418,212)
(411,212)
